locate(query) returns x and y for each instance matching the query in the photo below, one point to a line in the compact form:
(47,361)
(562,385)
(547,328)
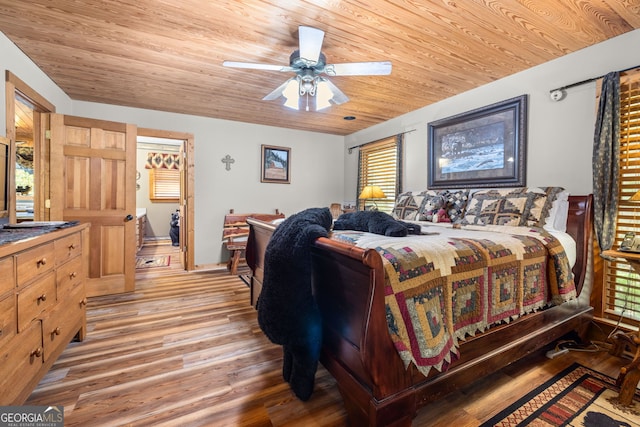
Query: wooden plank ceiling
(167,55)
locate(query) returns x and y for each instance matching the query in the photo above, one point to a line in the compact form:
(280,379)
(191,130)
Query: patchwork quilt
(452,283)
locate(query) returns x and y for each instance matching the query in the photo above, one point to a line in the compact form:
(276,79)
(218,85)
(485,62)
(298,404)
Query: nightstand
(629,374)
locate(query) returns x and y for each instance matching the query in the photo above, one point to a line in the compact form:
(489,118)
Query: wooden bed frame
(357,350)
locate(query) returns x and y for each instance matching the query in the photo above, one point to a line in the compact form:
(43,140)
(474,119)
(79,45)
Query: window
(622,285)
(164,185)
(379,165)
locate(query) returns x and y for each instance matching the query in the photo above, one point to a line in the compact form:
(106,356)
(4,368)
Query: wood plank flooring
(185,349)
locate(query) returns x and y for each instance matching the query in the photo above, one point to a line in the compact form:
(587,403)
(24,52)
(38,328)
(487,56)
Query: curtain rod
(589,80)
(367,143)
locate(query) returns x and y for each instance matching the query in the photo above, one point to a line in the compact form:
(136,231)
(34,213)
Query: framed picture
(481,148)
(276,164)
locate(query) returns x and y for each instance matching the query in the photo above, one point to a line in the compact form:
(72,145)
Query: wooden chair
(236,232)
(627,343)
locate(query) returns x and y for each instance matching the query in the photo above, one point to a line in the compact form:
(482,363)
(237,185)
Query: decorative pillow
(498,207)
(526,206)
(430,206)
(456,203)
(407,206)
(542,207)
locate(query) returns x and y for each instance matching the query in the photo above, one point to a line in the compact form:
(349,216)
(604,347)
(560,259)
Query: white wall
(560,134)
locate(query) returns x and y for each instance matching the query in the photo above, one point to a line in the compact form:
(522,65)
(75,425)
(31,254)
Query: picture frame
(481,148)
(275,164)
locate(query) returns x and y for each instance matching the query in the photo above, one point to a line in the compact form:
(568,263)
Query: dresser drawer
(7,317)
(35,298)
(61,324)
(69,275)
(35,262)
(67,248)
(7,275)
(20,361)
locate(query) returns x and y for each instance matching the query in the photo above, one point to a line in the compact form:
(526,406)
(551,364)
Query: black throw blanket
(287,312)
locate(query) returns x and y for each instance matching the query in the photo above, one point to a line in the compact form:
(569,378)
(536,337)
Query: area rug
(153,261)
(578,396)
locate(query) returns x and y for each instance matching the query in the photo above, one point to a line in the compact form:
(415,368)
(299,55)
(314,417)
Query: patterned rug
(578,396)
(153,261)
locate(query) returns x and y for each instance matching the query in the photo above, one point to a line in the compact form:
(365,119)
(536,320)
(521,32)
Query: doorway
(164,195)
(28,178)
(25,178)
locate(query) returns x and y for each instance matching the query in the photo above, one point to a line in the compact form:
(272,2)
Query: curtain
(606,154)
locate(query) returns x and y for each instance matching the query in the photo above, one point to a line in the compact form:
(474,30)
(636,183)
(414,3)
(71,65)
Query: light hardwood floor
(185,349)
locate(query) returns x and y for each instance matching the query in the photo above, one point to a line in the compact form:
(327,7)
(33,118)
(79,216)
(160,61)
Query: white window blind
(622,285)
(380,165)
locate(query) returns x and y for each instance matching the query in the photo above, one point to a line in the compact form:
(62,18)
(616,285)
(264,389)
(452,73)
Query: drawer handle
(72,247)
(73,275)
(84,301)
(56,331)
(37,352)
(42,298)
(42,261)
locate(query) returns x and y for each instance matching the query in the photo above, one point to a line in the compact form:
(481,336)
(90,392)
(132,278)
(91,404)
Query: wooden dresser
(42,306)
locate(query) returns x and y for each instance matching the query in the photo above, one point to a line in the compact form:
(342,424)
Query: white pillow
(558,214)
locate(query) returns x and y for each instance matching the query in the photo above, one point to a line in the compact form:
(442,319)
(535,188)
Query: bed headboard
(580,227)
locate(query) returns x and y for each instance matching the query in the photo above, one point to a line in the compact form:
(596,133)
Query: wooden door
(93,181)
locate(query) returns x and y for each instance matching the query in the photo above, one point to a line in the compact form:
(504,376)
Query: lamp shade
(372,192)
(635,197)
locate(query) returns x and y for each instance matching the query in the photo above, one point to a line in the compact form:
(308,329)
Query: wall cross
(227,160)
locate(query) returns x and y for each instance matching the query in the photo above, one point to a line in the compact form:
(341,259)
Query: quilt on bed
(444,286)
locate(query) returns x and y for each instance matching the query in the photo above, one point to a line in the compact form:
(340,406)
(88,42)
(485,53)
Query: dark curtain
(606,161)
(399,165)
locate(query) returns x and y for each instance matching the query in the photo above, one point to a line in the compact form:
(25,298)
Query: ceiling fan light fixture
(292,94)
(301,93)
(323,95)
(308,63)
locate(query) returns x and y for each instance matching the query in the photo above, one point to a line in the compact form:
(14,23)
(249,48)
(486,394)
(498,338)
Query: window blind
(379,165)
(164,185)
(622,285)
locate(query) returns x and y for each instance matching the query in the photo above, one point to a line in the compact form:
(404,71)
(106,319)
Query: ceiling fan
(309,64)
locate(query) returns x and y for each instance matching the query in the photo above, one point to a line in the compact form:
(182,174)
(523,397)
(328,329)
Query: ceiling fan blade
(255,66)
(381,68)
(310,40)
(338,96)
(278,91)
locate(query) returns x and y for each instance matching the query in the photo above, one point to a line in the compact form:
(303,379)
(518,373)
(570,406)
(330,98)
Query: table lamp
(371,192)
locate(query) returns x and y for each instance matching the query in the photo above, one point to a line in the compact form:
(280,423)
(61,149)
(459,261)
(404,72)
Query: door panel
(97,185)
